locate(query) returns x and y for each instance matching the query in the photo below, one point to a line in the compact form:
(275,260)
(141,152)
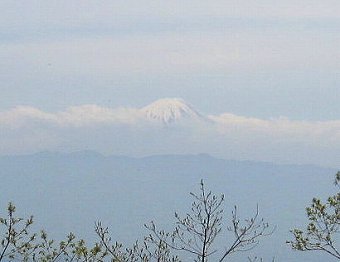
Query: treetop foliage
(194,233)
(321,233)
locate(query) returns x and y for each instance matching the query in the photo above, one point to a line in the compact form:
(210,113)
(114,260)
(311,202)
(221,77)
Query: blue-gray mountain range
(69,192)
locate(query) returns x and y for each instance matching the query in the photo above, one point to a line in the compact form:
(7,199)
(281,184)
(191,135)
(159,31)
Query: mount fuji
(170,110)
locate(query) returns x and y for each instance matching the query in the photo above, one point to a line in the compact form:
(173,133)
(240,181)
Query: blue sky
(256,59)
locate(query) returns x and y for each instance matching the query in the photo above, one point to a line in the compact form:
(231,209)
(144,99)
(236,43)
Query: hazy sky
(259,58)
(263,60)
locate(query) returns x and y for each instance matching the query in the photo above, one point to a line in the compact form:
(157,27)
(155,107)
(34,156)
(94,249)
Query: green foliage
(16,241)
(149,250)
(323,227)
(195,233)
(18,244)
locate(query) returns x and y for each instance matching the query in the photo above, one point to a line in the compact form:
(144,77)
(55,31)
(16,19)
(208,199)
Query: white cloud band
(129,131)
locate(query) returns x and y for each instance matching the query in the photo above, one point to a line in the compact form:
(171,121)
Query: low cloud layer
(129,131)
(77,116)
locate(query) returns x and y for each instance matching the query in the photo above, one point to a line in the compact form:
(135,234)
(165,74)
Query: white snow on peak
(169,110)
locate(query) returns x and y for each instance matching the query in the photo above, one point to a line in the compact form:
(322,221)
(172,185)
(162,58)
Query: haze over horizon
(262,78)
(169,126)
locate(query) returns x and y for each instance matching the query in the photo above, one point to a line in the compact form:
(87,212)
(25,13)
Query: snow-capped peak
(169,110)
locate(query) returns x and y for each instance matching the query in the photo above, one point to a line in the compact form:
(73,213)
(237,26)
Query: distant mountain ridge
(160,158)
(169,125)
(69,191)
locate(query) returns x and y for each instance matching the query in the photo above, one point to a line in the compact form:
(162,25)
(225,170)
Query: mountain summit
(169,110)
